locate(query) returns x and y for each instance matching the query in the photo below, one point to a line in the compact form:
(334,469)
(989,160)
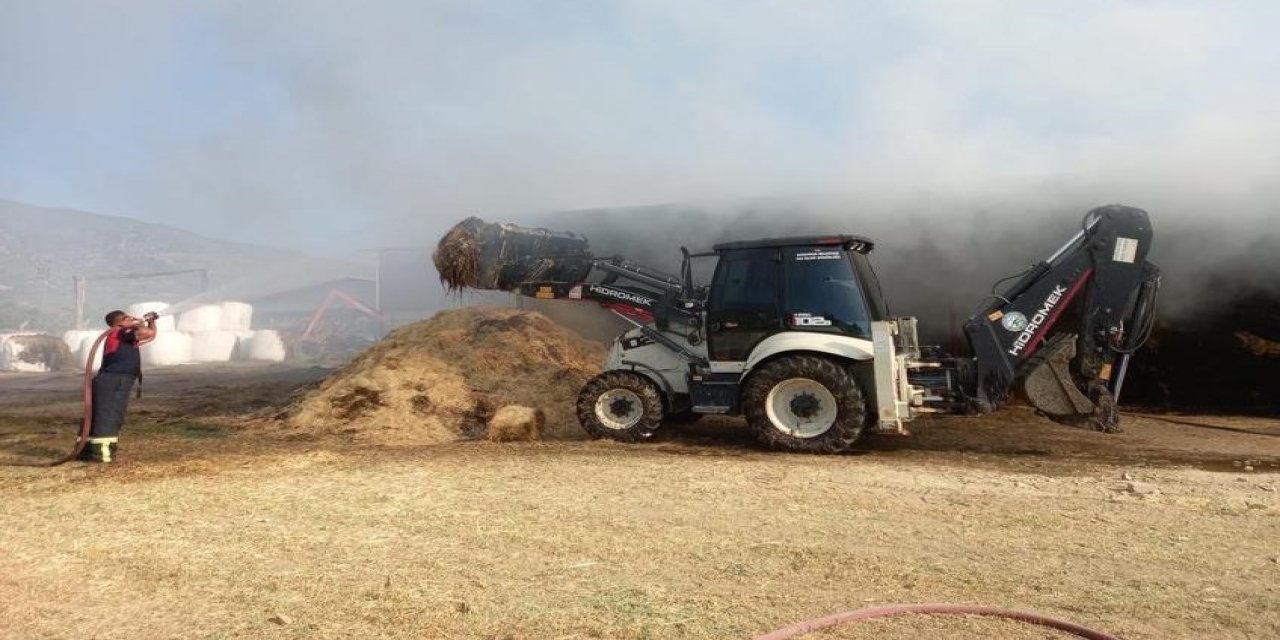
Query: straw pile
(1258,346)
(447,377)
(457,256)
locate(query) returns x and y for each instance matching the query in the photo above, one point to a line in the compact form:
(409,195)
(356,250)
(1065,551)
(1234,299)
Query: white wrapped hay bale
(236,316)
(213,346)
(204,318)
(266,346)
(86,345)
(163,323)
(140,309)
(75,337)
(242,344)
(169,348)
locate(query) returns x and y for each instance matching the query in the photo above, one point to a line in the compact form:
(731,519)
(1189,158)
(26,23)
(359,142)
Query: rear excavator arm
(1064,331)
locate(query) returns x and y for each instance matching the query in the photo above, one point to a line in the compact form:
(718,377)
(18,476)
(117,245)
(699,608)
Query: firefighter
(121,368)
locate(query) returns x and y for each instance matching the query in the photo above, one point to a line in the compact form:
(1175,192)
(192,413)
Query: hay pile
(446,377)
(1260,347)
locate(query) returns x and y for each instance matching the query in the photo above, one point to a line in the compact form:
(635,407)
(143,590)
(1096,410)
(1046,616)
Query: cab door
(744,305)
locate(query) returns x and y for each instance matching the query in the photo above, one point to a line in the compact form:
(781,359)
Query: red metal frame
(335,294)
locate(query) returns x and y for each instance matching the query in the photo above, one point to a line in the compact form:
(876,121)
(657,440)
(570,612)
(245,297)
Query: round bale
(516,423)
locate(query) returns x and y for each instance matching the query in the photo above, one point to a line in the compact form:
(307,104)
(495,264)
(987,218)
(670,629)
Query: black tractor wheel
(620,405)
(804,403)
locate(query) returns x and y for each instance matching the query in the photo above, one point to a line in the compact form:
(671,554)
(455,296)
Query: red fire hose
(883,611)
(87,421)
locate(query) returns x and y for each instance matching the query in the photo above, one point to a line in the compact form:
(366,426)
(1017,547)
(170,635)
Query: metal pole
(1088,226)
(79,285)
(1119,384)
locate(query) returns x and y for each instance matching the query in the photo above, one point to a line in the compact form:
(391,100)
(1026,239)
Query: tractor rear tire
(620,405)
(805,403)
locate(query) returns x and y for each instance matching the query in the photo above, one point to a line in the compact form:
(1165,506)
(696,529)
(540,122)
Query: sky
(334,127)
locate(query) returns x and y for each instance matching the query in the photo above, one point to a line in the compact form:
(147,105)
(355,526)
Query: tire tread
(851,414)
(650,397)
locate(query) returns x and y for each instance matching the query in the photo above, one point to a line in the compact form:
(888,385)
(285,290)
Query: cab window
(823,292)
(747,281)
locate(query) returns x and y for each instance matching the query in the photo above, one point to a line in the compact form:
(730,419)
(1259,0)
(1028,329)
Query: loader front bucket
(475,254)
(1049,386)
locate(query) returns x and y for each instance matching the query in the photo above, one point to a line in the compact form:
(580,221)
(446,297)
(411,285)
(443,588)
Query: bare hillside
(42,248)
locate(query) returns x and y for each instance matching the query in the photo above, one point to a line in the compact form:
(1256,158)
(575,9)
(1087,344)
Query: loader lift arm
(1071,371)
(644,294)
(649,300)
(544,264)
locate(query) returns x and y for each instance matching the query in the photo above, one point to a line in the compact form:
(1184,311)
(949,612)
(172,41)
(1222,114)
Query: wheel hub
(619,408)
(805,405)
(801,408)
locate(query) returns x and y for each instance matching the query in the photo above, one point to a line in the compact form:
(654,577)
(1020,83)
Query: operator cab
(820,284)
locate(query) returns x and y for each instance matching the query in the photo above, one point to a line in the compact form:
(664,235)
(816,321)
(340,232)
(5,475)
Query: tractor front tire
(804,403)
(620,405)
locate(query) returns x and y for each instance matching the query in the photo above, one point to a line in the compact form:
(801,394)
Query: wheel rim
(801,407)
(619,409)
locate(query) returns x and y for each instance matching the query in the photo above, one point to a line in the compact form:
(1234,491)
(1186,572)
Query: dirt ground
(217,524)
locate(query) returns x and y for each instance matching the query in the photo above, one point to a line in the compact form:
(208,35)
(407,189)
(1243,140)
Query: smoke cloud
(967,139)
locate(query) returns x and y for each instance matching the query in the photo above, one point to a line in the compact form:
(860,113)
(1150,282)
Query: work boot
(99,450)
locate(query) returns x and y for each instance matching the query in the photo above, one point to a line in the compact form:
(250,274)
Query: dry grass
(212,527)
(599,540)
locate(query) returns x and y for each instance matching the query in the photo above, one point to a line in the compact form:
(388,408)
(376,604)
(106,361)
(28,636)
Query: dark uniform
(121,367)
